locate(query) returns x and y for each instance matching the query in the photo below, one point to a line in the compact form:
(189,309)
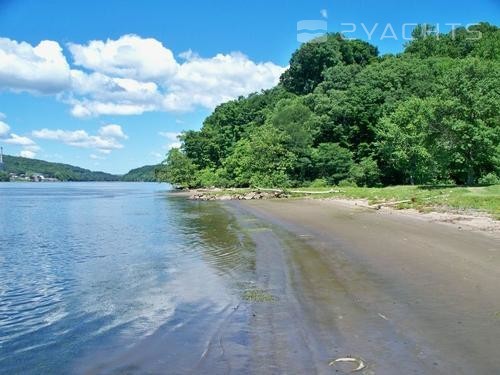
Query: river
(114,278)
(90,270)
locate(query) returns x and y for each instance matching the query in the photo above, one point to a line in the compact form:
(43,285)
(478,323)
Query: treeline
(343,115)
(63,172)
(141,174)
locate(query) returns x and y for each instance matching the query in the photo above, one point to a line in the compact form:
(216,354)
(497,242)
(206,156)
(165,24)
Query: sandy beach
(404,295)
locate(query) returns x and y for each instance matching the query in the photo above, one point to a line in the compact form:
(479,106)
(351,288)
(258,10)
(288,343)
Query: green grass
(424,198)
(486,199)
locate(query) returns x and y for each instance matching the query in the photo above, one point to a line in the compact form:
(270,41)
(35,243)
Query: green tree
(480,40)
(332,162)
(310,61)
(177,169)
(403,138)
(342,113)
(295,120)
(468,119)
(261,160)
(365,173)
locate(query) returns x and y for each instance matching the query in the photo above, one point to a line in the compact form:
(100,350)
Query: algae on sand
(258,295)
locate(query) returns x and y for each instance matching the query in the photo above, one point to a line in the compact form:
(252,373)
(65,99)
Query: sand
(406,295)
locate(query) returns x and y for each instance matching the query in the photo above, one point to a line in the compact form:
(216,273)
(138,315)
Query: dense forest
(143,174)
(342,114)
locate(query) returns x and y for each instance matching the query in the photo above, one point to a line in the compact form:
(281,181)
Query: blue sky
(108,85)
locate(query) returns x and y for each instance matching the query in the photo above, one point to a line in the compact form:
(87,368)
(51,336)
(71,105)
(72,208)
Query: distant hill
(66,172)
(145,173)
(63,172)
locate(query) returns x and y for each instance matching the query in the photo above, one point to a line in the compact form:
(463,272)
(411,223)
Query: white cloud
(4,129)
(88,108)
(29,147)
(208,82)
(102,87)
(112,131)
(131,75)
(27,154)
(106,140)
(42,68)
(129,56)
(96,94)
(173,138)
(18,140)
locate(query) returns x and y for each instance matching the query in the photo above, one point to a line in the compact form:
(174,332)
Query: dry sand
(470,220)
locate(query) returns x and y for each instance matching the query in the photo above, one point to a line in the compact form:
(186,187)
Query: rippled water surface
(91,273)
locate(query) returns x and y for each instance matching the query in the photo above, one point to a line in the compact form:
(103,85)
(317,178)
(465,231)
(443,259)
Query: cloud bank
(28,146)
(130,75)
(107,139)
(39,69)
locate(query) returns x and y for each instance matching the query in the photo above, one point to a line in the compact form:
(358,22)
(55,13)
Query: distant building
(37,177)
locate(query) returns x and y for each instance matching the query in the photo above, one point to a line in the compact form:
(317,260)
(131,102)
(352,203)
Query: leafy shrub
(277,179)
(332,162)
(210,177)
(489,179)
(319,183)
(347,183)
(366,172)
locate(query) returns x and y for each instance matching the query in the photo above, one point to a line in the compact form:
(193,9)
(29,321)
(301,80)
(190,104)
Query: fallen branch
(378,206)
(275,190)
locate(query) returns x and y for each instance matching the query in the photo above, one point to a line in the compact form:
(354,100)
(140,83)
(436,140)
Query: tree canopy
(341,113)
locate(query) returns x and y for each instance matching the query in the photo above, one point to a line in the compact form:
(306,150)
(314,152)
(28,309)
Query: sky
(109,85)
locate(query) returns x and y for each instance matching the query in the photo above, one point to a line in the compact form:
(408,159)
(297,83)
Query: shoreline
(463,220)
(466,220)
(402,294)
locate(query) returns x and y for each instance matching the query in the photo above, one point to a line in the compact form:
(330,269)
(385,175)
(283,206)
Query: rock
(249,196)
(256,194)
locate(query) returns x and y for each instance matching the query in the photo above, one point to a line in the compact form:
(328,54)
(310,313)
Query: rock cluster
(208,196)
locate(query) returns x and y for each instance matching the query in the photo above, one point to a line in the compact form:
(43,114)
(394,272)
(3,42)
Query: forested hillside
(63,172)
(143,174)
(342,114)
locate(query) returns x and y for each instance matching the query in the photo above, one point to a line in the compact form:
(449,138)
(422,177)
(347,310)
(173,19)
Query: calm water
(95,275)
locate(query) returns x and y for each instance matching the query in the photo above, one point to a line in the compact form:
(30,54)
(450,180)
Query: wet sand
(405,295)
(330,280)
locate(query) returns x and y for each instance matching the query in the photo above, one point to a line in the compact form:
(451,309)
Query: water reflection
(222,242)
(91,274)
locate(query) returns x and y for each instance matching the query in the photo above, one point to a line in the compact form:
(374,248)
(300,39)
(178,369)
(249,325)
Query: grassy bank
(486,199)
(423,198)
